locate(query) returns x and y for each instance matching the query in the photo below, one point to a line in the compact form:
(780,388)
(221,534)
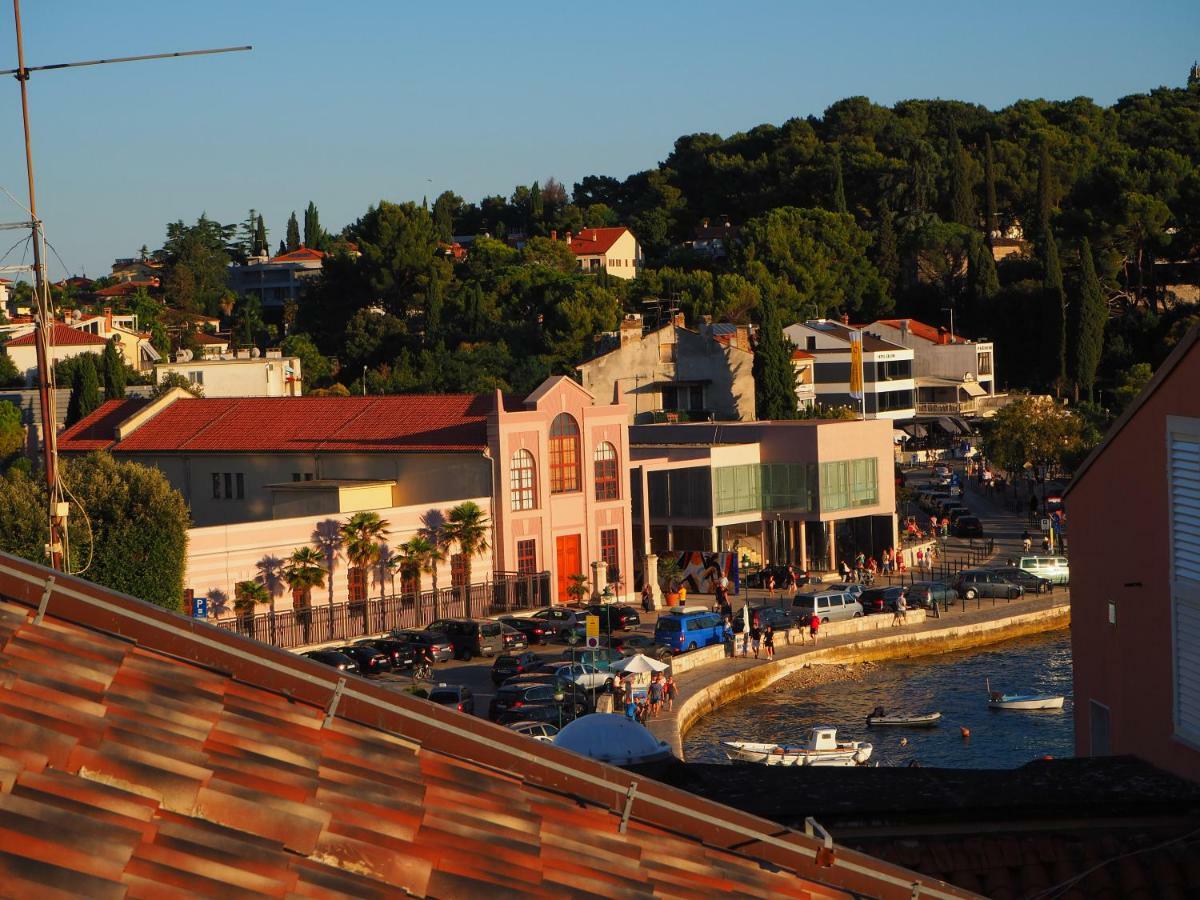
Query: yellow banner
(856,365)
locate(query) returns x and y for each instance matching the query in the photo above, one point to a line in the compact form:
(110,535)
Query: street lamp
(559,696)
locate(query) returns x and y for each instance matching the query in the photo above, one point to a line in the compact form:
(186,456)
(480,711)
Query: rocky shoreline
(813,675)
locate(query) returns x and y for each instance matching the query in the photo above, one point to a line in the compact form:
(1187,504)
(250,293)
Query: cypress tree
(85,390)
(260,237)
(774,377)
(989,189)
(839,185)
(887,250)
(962,194)
(293,233)
(113,368)
(984,281)
(314,234)
(282,249)
(1045,189)
(537,208)
(1093,313)
(1056,299)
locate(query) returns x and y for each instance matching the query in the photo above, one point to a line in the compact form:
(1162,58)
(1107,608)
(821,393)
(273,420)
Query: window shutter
(1184,481)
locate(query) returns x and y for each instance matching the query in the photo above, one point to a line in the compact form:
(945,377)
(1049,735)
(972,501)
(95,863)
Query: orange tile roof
(61,336)
(302,254)
(126,287)
(145,754)
(594,241)
(925,332)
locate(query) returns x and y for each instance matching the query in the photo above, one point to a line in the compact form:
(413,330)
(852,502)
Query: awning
(947,425)
(963,425)
(916,430)
(973,389)
(898,435)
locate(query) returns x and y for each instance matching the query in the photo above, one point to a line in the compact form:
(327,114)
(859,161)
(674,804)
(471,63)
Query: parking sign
(200,607)
(1045,524)
(593,632)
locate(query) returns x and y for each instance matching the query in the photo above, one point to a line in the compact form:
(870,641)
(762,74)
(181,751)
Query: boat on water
(999,700)
(881,717)
(821,749)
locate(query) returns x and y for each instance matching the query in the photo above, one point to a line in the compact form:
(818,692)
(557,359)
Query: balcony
(974,406)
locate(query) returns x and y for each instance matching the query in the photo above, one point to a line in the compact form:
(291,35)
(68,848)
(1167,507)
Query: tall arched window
(521,481)
(607,484)
(564,455)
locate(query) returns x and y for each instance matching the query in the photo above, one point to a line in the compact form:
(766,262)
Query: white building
(614,250)
(278,279)
(272,375)
(65,343)
(888,384)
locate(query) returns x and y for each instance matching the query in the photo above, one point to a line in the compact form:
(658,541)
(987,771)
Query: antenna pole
(43,327)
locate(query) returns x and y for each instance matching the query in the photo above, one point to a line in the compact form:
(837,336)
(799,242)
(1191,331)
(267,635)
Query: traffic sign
(200,607)
(1045,524)
(593,631)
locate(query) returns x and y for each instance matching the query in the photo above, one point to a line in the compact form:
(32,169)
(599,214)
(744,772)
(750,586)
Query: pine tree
(839,185)
(989,189)
(774,377)
(1093,314)
(113,367)
(293,233)
(85,390)
(962,192)
(314,234)
(537,208)
(1056,299)
(887,250)
(260,237)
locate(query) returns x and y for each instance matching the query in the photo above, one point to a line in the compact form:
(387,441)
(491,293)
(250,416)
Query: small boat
(998,700)
(908,720)
(822,749)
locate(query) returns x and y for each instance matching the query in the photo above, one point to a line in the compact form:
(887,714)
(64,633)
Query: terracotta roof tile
(61,336)
(98,430)
(302,254)
(595,241)
(168,778)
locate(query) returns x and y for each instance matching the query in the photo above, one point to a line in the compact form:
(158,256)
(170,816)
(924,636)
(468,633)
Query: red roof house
(614,250)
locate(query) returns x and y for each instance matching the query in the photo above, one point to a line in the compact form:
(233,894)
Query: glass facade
(737,489)
(849,484)
(684,493)
(769,487)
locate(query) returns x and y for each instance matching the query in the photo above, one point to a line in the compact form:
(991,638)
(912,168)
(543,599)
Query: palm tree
(304,571)
(468,527)
(247,596)
(362,535)
(417,555)
(436,531)
(327,539)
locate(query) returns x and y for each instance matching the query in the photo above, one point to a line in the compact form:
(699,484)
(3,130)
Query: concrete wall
(262,377)
(1121,555)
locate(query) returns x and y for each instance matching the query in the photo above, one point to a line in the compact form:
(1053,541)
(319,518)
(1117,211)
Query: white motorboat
(998,700)
(822,749)
(901,719)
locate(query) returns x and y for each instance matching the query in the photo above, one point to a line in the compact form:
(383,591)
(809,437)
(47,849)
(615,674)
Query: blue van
(681,630)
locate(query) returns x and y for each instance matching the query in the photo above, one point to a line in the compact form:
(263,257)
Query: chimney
(568,237)
(704,223)
(707,320)
(631,328)
(553,235)
(742,339)
(108,320)
(679,320)
(845,318)
(942,337)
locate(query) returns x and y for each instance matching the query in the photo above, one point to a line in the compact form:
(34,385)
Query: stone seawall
(704,692)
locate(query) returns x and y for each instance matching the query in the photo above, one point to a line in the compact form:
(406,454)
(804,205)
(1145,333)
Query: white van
(830,606)
(1052,568)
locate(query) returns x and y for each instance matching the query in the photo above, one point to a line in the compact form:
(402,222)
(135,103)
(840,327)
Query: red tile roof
(144,754)
(411,422)
(126,287)
(594,241)
(61,336)
(98,430)
(203,337)
(925,332)
(303,254)
(801,354)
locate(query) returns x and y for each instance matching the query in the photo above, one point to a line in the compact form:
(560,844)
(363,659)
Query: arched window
(606,472)
(564,455)
(521,481)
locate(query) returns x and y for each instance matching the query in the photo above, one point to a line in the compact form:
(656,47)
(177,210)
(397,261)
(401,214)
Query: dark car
(880,599)
(630,644)
(514,639)
(439,645)
(923,594)
(972,583)
(371,660)
(968,526)
(551,713)
(522,694)
(562,622)
(456,695)
(509,664)
(402,654)
(759,579)
(334,658)
(1028,581)
(767,615)
(536,631)
(471,637)
(615,617)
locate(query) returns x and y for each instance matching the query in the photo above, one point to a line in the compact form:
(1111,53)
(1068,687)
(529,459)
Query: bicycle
(422,672)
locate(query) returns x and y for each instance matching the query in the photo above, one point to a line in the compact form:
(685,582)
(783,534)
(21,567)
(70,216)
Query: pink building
(555,465)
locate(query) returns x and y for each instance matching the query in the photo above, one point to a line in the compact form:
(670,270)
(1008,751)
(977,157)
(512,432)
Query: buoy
(966,732)
(1047,756)
(903,742)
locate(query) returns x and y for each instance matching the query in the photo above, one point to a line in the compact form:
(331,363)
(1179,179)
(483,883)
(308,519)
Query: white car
(855,589)
(539,731)
(585,676)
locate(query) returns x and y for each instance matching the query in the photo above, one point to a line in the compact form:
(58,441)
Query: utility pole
(57,508)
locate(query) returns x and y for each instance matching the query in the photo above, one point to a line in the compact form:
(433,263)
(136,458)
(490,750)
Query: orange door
(570,562)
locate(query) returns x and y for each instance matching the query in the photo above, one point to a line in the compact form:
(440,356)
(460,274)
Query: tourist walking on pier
(656,695)
(755,637)
(769,641)
(814,625)
(669,692)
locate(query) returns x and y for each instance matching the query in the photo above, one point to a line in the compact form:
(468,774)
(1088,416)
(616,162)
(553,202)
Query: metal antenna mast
(43,312)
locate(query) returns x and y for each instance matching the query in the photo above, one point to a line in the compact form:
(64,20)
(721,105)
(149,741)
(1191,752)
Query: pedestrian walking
(1026,541)
(618,691)
(793,581)
(729,648)
(771,586)
(769,641)
(887,561)
(845,570)
(814,625)
(631,709)
(669,692)
(920,558)
(756,637)
(647,597)
(1045,543)
(656,694)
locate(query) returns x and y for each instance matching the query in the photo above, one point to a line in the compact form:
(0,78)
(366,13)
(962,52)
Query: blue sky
(347,103)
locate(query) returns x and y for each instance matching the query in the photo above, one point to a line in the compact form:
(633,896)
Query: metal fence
(505,592)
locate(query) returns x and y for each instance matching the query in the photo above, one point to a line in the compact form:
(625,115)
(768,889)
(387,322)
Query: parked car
(371,660)
(471,637)
(521,695)
(561,620)
(615,616)
(456,695)
(1054,568)
(968,526)
(333,658)
(881,599)
(550,713)
(759,579)
(972,583)
(854,589)
(923,594)
(941,470)
(1030,582)
(514,638)
(509,664)
(539,731)
(629,644)
(787,617)
(957,513)
(584,675)
(689,629)
(438,644)
(535,630)
(602,658)
(830,606)
(401,654)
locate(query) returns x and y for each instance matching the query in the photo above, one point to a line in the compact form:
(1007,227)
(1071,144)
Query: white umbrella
(746,618)
(639,663)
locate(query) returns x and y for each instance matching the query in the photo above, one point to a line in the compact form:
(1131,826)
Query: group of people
(659,695)
(1027,542)
(866,568)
